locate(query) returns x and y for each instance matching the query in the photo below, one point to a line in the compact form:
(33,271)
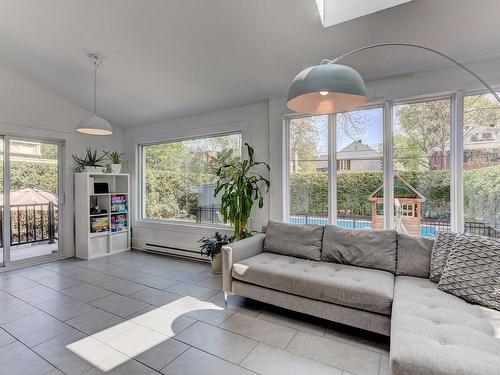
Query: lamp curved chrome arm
(386,44)
(331,87)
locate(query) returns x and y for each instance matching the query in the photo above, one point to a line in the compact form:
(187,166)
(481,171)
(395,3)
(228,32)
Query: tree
(424,128)
(304,140)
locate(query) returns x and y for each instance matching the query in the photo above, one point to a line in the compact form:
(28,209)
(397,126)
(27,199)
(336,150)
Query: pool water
(425,230)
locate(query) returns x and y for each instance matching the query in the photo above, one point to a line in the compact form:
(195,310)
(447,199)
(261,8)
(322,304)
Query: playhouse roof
(402,189)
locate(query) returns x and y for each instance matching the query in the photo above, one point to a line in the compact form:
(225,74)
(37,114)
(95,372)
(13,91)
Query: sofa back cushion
(300,241)
(360,247)
(414,255)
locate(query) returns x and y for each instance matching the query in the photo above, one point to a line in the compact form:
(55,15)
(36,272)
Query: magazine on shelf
(119,203)
(119,223)
(99,224)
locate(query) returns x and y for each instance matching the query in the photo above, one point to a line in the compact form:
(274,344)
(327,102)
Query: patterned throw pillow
(473,270)
(439,255)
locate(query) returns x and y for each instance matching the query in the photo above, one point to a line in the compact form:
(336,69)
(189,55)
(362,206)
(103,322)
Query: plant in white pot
(116,159)
(91,162)
(241,183)
(211,247)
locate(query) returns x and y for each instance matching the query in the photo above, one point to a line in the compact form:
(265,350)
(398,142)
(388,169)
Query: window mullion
(388,162)
(456,163)
(286,170)
(332,170)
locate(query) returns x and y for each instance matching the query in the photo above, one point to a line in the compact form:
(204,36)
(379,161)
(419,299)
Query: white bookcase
(94,238)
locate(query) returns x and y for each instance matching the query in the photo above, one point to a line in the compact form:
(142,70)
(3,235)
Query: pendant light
(95,125)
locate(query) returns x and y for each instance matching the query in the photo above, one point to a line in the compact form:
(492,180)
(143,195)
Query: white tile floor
(137,313)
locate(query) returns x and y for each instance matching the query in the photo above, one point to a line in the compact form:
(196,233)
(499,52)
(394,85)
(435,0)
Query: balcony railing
(32,223)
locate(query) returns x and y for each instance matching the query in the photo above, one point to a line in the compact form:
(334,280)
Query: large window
(179,178)
(421,138)
(308,163)
(415,150)
(481,175)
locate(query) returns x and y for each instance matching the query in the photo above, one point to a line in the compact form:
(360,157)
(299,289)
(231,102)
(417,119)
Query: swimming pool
(425,230)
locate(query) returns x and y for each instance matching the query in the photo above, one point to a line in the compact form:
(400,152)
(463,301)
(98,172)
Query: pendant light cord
(96,63)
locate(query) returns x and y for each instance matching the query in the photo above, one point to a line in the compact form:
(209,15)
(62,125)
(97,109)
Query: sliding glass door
(31,199)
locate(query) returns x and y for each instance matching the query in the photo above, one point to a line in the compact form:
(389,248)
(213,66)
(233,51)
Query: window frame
(456,155)
(141,173)
(332,159)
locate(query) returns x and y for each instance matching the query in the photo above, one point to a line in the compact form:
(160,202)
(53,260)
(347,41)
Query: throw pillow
(440,252)
(472,271)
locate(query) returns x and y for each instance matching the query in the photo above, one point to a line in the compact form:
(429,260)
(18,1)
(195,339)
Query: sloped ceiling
(165,59)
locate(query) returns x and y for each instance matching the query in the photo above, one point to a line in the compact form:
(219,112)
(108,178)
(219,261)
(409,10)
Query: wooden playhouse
(407,205)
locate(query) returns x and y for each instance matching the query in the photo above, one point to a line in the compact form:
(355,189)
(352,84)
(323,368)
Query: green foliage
(49,151)
(309,191)
(172,194)
(91,159)
(482,194)
(33,175)
(115,157)
(212,245)
(422,128)
(240,186)
(175,169)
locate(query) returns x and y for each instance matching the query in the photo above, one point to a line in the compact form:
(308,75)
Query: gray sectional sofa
(373,280)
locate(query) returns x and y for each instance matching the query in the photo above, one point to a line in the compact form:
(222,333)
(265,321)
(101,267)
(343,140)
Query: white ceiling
(165,59)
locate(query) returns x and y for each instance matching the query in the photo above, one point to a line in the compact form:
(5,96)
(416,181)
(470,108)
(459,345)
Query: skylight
(333,12)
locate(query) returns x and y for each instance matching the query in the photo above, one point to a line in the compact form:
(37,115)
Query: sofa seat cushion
(360,288)
(433,332)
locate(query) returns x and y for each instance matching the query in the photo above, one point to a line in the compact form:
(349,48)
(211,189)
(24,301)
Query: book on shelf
(119,203)
(99,224)
(119,223)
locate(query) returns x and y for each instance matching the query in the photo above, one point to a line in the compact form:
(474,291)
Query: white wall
(251,120)
(27,109)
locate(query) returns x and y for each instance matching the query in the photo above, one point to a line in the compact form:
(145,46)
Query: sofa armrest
(236,252)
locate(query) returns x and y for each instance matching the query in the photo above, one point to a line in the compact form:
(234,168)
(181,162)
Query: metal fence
(32,223)
(428,227)
(209,215)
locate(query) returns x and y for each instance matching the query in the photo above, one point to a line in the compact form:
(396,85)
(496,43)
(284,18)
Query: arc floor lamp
(331,87)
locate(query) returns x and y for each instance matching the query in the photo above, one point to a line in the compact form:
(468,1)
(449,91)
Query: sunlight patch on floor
(113,346)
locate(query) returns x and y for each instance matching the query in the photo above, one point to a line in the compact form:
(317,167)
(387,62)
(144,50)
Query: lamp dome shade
(95,125)
(326,88)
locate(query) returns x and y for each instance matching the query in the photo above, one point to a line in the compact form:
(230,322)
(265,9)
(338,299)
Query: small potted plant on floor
(211,247)
(91,162)
(116,161)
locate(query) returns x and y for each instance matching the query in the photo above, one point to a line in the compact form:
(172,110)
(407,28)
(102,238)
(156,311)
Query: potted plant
(116,161)
(91,162)
(240,184)
(211,247)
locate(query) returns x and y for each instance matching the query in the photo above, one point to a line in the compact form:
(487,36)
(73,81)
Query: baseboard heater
(174,251)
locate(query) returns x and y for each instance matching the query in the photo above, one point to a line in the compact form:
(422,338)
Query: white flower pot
(217,263)
(115,168)
(89,169)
